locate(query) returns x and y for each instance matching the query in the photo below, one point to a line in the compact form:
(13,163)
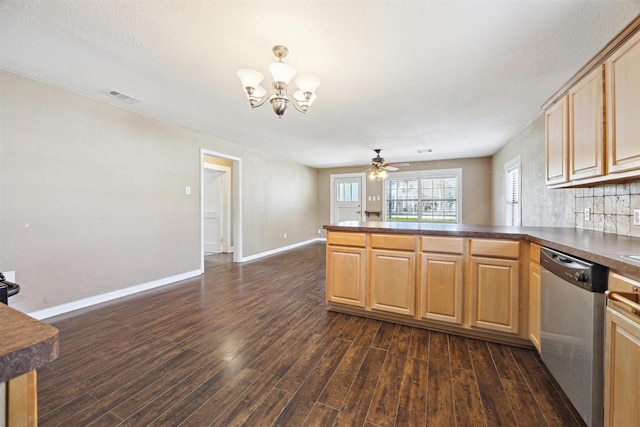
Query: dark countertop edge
(39,348)
(601,248)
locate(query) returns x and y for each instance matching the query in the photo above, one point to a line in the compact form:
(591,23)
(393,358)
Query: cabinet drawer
(534,252)
(621,284)
(448,245)
(393,241)
(347,239)
(495,248)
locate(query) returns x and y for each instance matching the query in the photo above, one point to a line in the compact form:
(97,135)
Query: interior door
(213,212)
(347,199)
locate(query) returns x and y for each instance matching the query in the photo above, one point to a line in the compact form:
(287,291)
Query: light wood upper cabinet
(623,86)
(393,281)
(602,105)
(556,142)
(586,127)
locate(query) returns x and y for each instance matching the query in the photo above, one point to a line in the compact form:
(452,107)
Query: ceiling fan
(379,168)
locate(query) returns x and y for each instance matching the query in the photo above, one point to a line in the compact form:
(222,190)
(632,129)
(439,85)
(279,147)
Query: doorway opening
(220,209)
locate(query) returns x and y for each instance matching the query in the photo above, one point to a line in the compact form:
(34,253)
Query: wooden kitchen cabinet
(346,268)
(495,285)
(441,279)
(22,401)
(623,116)
(586,127)
(602,126)
(534,295)
(557,143)
(622,353)
(392,274)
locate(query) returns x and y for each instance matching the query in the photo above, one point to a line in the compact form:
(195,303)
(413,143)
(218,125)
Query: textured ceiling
(459,77)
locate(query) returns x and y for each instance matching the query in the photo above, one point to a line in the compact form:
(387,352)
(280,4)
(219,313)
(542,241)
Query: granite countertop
(601,248)
(26,344)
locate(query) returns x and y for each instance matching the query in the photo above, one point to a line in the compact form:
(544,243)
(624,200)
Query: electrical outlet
(285,235)
(636,217)
(319,231)
(587,214)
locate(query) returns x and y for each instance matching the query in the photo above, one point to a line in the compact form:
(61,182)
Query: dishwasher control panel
(582,273)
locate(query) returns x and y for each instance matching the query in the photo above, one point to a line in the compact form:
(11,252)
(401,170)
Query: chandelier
(282,75)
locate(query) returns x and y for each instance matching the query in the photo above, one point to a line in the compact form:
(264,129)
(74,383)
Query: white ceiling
(459,77)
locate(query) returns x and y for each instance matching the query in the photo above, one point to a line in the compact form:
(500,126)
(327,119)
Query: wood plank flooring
(253,344)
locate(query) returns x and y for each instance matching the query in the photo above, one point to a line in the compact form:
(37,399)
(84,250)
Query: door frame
(225,226)
(332,193)
(236,203)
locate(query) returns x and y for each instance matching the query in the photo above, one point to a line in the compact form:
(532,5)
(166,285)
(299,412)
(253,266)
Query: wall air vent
(121,96)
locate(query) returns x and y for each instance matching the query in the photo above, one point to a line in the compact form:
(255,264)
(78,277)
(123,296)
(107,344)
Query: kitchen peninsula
(27,344)
(467,279)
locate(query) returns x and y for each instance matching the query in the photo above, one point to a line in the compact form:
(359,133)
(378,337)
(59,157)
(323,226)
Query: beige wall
(476,188)
(92,196)
(540,207)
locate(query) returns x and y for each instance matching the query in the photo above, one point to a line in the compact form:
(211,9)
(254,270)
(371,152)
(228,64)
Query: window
(512,192)
(423,196)
(348,192)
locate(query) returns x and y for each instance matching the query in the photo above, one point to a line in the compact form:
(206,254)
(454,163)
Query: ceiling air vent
(121,96)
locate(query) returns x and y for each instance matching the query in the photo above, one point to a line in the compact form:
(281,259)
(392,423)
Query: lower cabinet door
(346,282)
(622,371)
(393,281)
(441,287)
(534,304)
(495,294)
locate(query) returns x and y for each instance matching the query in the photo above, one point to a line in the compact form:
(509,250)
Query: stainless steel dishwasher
(572,329)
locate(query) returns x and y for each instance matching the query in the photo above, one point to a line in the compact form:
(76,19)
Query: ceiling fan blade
(390,168)
(399,165)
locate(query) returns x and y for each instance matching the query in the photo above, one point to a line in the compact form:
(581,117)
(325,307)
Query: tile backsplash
(611,208)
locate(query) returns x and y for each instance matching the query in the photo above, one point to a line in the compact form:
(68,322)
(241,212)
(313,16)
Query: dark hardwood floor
(253,344)
(216,260)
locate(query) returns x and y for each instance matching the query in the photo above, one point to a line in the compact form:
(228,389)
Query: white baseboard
(282,249)
(97,299)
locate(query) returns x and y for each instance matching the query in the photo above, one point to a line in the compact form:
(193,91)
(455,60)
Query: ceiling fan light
(307,83)
(282,72)
(250,78)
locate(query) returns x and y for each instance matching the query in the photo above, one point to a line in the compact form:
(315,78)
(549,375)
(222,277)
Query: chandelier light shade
(282,74)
